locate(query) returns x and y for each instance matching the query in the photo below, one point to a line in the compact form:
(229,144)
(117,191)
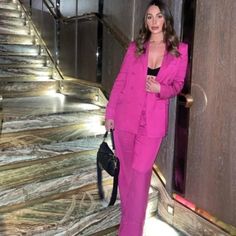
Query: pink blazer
(128,96)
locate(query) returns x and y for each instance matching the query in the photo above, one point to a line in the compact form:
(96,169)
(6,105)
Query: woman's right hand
(109,124)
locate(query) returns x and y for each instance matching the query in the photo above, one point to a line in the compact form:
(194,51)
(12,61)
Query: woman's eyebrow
(150,14)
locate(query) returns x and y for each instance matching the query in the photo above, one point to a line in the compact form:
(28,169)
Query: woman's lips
(155,27)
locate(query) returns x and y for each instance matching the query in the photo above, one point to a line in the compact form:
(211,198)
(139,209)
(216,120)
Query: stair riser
(54,212)
(51,121)
(44,178)
(20,50)
(9,6)
(27,89)
(12,30)
(11,13)
(21,61)
(47,136)
(8,1)
(9,72)
(13,22)
(17,39)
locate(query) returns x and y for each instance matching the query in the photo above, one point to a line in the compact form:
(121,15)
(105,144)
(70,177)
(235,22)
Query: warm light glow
(53,93)
(96,98)
(156,227)
(87,106)
(95,124)
(184,201)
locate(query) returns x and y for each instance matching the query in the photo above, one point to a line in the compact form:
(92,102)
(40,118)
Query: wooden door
(211,156)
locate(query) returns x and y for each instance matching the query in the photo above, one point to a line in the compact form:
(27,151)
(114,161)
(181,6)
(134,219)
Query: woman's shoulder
(183,48)
(131,46)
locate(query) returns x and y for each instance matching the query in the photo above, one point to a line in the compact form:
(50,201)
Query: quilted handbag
(106,160)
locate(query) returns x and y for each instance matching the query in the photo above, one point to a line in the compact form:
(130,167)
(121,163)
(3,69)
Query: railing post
(99,43)
(1,114)
(30,5)
(57,34)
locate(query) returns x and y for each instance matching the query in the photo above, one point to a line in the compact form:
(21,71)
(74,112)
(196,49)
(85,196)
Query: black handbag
(106,160)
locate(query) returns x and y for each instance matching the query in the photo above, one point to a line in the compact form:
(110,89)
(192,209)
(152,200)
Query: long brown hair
(170,38)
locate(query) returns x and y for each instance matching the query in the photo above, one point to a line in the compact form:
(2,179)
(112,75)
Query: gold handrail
(115,32)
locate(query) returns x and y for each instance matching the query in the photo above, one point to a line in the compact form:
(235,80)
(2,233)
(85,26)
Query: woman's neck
(156,39)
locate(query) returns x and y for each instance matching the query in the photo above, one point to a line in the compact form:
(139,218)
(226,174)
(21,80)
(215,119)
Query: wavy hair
(170,38)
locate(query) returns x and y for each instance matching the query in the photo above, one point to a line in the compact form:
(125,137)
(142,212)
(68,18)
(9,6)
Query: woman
(152,72)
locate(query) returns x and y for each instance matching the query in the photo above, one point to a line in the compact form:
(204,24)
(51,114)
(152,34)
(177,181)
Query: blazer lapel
(165,62)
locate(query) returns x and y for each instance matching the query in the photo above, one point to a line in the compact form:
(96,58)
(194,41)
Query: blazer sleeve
(168,91)
(119,83)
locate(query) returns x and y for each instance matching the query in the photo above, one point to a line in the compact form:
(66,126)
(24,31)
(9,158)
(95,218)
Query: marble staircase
(48,142)
(25,67)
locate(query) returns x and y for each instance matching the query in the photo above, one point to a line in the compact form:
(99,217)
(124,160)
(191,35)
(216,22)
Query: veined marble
(9,29)
(9,72)
(25,108)
(48,145)
(12,21)
(10,12)
(39,180)
(20,49)
(16,39)
(29,86)
(20,61)
(80,214)
(11,157)
(8,5)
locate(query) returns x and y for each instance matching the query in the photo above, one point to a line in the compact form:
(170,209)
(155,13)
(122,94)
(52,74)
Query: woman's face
(154,20)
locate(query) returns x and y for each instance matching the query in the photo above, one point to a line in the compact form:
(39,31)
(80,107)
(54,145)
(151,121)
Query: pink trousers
(137,153)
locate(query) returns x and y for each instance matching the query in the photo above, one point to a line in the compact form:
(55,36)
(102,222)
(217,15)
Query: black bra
(153,72)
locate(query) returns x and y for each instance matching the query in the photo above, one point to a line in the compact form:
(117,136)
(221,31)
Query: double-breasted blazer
(128,97)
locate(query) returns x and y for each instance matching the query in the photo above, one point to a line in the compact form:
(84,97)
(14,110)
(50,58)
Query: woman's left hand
(152,85)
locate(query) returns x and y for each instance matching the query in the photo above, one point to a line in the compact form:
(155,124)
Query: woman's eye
(149,17)
(160,16)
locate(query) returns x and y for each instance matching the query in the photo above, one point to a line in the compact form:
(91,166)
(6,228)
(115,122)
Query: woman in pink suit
(153,71)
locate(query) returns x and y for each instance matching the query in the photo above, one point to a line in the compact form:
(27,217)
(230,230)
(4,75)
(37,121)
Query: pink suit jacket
(128,96)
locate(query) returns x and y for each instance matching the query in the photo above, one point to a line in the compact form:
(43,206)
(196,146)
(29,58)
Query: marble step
(51,120)
(8,1)
(15,72)
(31,138)
(55,215)
(12,29)
(46,130)
(12,158)
(32,108)
(8,39)
(27,87)
(17,49)
(17,79)
(9,5)
(55,120)
(23,61)
(11,13)
(100,223)
(46,179)
(78,214)
(12,21)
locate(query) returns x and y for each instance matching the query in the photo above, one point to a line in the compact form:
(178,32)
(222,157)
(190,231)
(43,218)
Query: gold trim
(157,171)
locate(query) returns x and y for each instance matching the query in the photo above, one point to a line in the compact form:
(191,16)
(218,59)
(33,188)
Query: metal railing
(54,27)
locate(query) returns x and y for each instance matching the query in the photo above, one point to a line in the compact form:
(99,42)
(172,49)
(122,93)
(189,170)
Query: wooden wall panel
(166,154)
(211,167)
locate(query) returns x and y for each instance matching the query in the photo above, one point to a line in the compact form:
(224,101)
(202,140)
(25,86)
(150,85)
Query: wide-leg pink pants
(137,153)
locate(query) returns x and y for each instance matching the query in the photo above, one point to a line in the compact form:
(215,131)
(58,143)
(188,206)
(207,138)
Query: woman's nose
(154,21)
